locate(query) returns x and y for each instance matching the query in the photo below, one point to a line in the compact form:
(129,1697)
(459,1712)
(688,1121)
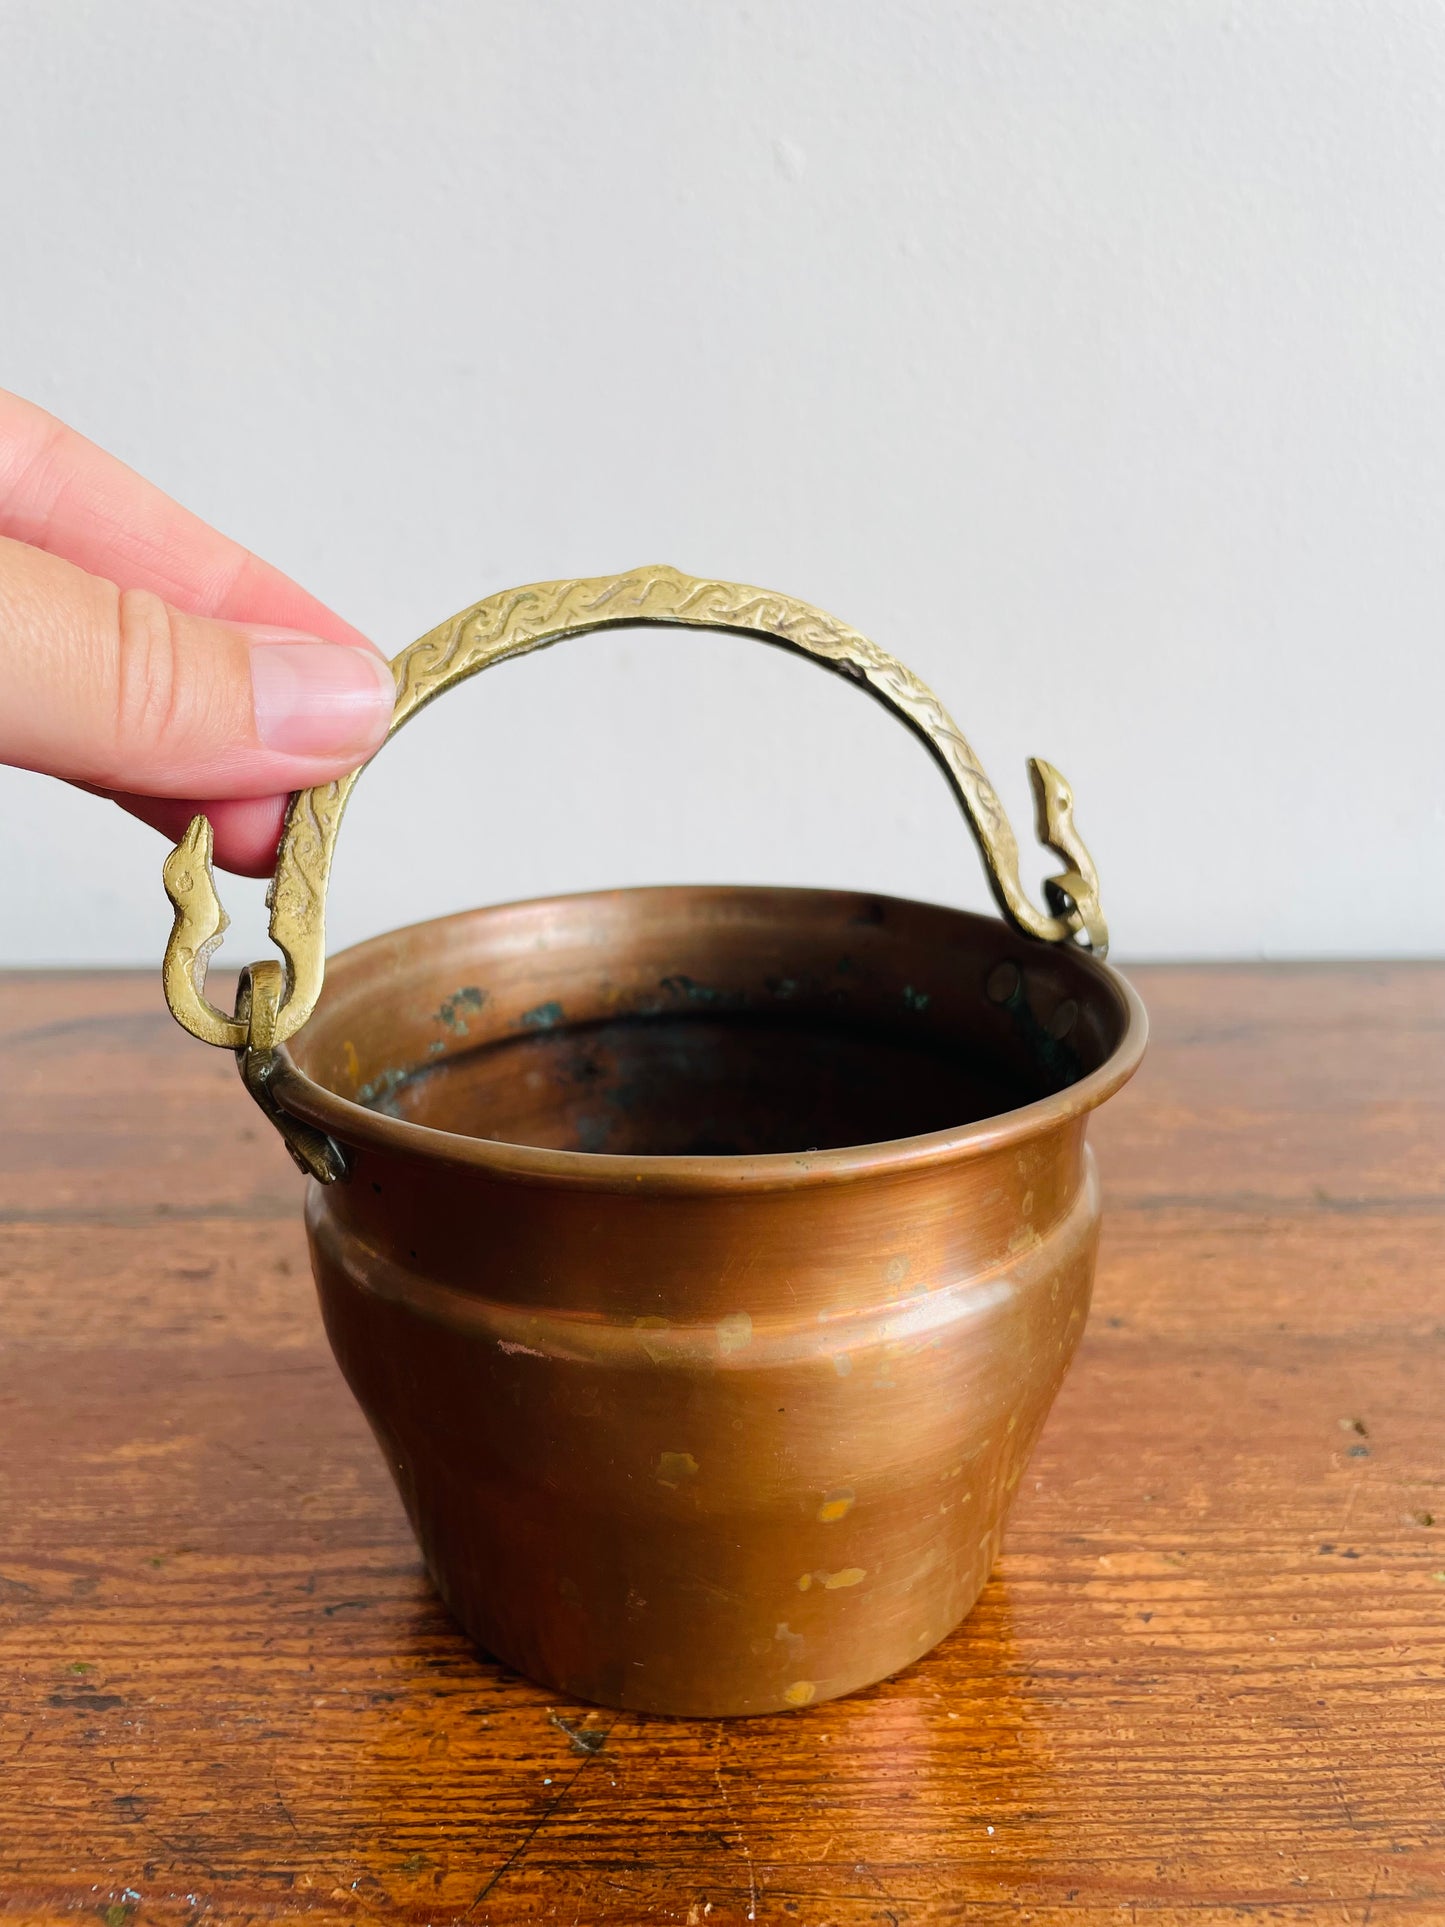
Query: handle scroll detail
(520,620)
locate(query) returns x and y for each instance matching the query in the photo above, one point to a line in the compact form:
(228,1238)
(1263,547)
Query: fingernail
(316,698)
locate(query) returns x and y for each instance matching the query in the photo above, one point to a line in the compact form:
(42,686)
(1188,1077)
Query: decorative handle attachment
(512,624)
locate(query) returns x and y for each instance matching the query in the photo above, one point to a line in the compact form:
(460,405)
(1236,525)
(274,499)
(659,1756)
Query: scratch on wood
(547,1814)
(742,1837)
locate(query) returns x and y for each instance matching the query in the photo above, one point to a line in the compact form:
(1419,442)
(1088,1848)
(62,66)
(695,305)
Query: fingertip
(258,593)
(247,829)
(318,699)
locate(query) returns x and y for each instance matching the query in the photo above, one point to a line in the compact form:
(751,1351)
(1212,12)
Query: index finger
(61,493)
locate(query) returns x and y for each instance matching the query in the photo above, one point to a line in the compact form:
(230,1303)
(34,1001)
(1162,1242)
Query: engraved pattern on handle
(520,620)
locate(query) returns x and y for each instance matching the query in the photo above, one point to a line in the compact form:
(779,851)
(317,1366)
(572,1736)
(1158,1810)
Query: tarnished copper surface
(705,1259)
(707,1263)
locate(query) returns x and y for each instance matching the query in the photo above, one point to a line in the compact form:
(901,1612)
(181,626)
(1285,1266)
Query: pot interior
(707,1022)
(704,1085)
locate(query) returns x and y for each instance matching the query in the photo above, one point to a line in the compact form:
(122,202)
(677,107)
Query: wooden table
(1205,1683)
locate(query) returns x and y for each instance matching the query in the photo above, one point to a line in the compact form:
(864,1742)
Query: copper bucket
(705,1259)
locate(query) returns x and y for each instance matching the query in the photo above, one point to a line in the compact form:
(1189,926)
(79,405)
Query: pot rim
(355,1125)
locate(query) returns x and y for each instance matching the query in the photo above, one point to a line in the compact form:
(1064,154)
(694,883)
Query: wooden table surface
(1204,1684)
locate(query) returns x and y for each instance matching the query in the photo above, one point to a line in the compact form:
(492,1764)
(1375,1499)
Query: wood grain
(1205,1683)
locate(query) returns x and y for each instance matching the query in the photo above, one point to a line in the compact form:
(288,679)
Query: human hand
(145,657)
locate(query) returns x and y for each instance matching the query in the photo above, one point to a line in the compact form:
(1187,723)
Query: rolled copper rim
(358,1126)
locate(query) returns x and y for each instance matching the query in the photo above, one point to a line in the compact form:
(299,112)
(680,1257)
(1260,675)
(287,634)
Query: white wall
(1089,357)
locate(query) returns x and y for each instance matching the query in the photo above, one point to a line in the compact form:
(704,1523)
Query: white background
(1088,357)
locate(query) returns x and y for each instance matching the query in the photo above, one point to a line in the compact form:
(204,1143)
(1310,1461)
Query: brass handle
(520,620)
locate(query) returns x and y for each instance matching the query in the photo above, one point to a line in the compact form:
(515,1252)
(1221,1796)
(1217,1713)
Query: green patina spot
(915,999)
(543,1016)
(453,1010)
(381,1092)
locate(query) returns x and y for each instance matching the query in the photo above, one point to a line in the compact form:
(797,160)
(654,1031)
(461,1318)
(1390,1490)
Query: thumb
(117,690)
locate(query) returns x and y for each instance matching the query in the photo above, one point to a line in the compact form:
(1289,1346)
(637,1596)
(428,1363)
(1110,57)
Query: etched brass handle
(520,620)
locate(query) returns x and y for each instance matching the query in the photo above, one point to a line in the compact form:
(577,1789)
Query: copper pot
(705,1259)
